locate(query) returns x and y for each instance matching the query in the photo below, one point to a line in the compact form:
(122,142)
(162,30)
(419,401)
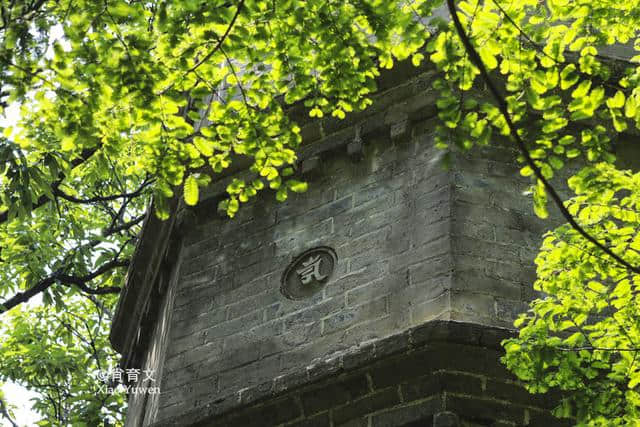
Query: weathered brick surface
(387,217)
(442,374)
(415,243)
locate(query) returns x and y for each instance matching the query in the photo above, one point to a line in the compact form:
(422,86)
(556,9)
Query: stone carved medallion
(308,273)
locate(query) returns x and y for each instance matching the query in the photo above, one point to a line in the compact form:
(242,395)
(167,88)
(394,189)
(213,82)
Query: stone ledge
(338,365)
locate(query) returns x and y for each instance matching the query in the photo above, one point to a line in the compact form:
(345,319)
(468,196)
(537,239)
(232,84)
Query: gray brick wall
(415,243)
(388,219)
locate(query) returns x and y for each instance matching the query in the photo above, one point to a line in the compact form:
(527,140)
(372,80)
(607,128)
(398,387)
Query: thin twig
(220,40)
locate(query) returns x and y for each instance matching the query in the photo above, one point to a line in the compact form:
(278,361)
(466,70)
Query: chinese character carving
(311,270)
(308,273)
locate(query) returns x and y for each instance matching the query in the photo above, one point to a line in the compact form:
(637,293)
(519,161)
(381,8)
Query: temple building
(377,298)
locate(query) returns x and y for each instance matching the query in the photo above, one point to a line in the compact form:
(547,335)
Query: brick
(365,405)
(198,243)
(491,215)
(255,337)
(295,336)
(243,258)
(295,241)
(489,250)
(477,192)
(356,223)
(200,277)
(374,289)
(351,316)
(446,419)
(433,384)
(259,284)
(292,379)
(473,303)
(509,309)
(186,343)
(247,275)
(484,410)
(334,394)
(200,296)
(418,413)
(539,418)
(371,329)
(477,281)
(470,317)
(247,305)
(359,356)
(312,313)
(233,326)
(367,274)
(319,420)
(396,370)
(212,350)
(478,230)
(367,260)
(492,337)
(280,411)
(431,192)
(430,309)
(199,262)
(426,230)
(324,367)
(511,271)
(319,194)
(431,269)
(254,392)
(356,422)
(259,371)
(392,345)
(196,324)
(425,289)
(518,394)
(367,242)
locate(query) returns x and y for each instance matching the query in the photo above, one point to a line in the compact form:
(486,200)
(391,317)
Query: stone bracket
(355,148)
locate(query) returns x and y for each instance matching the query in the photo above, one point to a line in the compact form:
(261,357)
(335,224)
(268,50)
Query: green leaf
(281,194)
(68,143)
(617,101)
(556,162)
(297,186)
(191,191)
(582,89)
(568,77)
(203,145)
(540,200)
(631,107)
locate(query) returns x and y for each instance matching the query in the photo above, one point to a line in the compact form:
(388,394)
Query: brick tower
(377,298)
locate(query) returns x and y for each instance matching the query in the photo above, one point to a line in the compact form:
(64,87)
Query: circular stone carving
(308,273)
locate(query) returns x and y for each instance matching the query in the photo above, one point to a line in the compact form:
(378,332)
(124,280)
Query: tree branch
(66,280)
(57,192)
(504,110)
(125,226)
(81,282)
(84,156)
(220,41)
(5,413)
